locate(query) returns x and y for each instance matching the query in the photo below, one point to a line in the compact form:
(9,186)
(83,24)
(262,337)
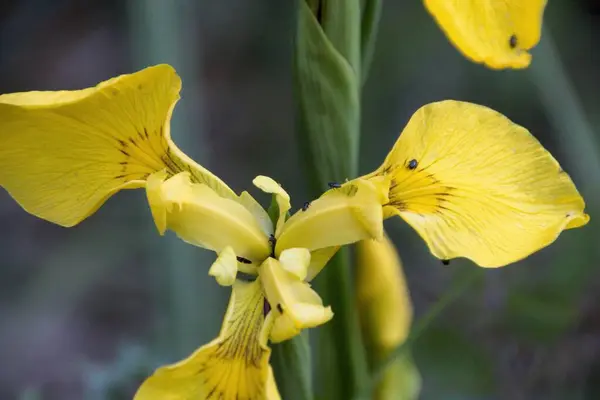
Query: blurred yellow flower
(62,154)
(385,312)
(495,33)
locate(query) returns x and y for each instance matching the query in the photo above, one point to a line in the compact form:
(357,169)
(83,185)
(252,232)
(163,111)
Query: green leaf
(370,23)
(327,92)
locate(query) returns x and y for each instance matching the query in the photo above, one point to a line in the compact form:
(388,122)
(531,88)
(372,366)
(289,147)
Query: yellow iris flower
(472,184)
(497,33)
(62,154)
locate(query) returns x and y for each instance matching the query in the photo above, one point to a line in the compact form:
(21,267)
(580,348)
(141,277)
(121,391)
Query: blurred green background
(88,312)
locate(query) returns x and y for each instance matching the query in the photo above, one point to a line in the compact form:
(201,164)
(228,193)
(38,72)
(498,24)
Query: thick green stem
(291,362)
(328,58)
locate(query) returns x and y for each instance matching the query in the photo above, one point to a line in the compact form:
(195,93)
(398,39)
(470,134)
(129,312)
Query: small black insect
(446,262)
(412,164)
(512,41)
(334,185)
(305,206)
(279,308)
(243,260)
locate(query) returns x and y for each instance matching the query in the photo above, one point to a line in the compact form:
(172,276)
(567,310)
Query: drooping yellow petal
(474,184)
(268,185)
(495,33)
(62,154)
(198,215)
(385,314)
(233,366)
(294,304)
(225,267)
(341,216)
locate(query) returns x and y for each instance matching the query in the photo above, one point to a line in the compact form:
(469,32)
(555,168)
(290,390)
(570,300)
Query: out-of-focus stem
(577,137)
(159,30)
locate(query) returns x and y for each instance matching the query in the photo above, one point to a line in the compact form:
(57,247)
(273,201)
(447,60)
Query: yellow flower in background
(62,154)
(385,313)
(497,33)
(474,184)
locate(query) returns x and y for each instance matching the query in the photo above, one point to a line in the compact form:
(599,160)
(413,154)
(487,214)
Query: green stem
(577,139)
(342,333)
(369,28)
(291,362)
(157,30)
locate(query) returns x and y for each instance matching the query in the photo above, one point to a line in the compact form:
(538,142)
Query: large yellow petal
(474,184)
(495,33)
(341,216)
(62,154)
(233,366)
(294,305)
(198,215)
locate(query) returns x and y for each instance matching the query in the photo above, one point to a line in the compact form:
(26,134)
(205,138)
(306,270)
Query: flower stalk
(328,60)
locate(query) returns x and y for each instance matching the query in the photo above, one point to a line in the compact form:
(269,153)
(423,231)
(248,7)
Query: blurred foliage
(81,309)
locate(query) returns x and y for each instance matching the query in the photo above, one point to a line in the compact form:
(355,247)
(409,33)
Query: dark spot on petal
(412,164)
(512,41)
(266,307)
(279,308)
(305,206)
(243,260)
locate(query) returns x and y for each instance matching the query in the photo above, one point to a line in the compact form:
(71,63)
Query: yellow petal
(384,305)
(225,267)
(233,366)
(295,261)
(339,217)
(62,154)
(495,33)
(268,185)
(258,211)
(198,215)
(294,304)
(473,184)
(318,260)
(272,391)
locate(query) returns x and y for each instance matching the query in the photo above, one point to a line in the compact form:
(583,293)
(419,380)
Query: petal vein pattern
(473,184)
(233,366)
(62,154)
